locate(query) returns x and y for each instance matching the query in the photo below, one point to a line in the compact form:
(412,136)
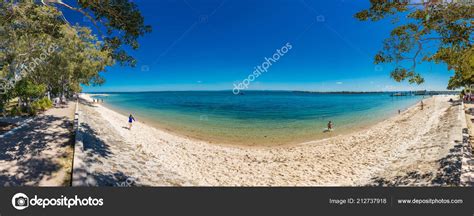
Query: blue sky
(211,44)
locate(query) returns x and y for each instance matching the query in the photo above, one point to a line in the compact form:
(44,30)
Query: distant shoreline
(298,91)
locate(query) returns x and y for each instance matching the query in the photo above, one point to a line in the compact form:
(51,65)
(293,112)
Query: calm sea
(257,117)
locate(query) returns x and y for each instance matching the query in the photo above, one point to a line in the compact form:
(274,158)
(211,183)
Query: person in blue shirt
(131,119)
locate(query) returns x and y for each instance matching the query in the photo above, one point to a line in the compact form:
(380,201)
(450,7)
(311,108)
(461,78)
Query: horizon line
(308,91)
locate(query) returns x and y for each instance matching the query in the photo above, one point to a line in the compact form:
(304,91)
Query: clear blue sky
(211,44)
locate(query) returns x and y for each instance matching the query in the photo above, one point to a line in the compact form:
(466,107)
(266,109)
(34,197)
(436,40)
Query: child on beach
(330,126)
(131,119)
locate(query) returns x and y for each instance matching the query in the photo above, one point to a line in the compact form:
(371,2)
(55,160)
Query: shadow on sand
(93,144)
(24,148)
(449,173)
(97,147)
(118,179)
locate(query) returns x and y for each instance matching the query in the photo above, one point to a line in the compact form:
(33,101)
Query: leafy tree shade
(77,61)
(41,47)
(121,19)
(38,45)
(435,31)
(27,31)
(26,91)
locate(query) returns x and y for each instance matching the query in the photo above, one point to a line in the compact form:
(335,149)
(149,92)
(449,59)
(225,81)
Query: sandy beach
(41,152)
(413,148)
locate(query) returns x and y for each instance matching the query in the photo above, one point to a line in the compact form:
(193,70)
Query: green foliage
(28,94)
(34,108)
(38,44)
(433,31)
(27,30)
(78,60)
(45,103)
(40,105)
(26,90)
(15,111)
(381,8)
(122,21)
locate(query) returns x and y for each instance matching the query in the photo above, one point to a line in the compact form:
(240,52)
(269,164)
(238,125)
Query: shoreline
(189,133)
(354,159)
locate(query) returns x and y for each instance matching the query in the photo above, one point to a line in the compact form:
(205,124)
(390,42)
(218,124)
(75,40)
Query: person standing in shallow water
(330,126)
(131,119)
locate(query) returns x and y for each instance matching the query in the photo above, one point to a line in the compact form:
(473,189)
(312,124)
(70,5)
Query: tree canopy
(39,48)
(121,20)
(432,31)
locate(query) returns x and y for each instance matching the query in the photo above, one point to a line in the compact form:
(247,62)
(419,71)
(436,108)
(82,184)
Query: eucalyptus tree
(119,23)
(77,61)
(38,43)
(27,32)
(429,31)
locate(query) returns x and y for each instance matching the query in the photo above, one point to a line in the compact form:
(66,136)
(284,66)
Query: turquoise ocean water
(257,117)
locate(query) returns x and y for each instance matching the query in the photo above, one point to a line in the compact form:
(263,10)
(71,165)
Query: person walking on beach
(131,119)
(421,104)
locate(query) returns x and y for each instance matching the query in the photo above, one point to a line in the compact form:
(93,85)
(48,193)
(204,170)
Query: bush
(34,108)
(40,105)
(15,111)
(45,103)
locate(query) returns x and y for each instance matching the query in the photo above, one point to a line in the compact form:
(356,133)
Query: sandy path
(40,154)
(415,140)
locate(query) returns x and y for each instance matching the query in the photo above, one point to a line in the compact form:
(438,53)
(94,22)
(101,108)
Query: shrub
(34,108)
(40,105)
(45,103)
(15,111)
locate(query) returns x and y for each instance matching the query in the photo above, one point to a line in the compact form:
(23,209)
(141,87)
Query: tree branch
(60,2)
